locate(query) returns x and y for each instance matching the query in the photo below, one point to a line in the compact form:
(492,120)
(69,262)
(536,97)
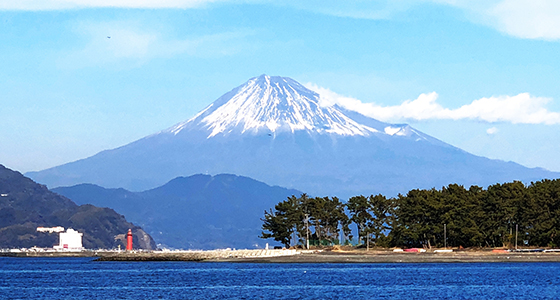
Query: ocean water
(83,278)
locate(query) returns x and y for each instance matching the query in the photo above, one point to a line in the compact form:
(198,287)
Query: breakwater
(303,256)
(211,255)
(307,256)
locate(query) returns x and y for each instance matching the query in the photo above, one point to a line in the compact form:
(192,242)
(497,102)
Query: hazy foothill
(195,212)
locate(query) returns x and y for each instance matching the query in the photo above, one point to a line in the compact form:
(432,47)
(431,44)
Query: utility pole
(445,235)
(367,241)
(516,227)
(307,224)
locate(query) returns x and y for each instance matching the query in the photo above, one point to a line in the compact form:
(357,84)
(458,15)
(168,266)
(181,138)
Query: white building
(50,229)
(71,240)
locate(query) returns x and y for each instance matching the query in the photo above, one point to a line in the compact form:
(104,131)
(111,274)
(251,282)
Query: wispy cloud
(355,9)
(528,18)
(79,4)
(532,19)
(380,9)
(492,130)
(522,108)
(118,42)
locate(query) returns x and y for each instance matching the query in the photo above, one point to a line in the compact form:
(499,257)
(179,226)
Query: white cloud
(492,130)
(522,108)
(359,9)
(528,18)
(533,19)
(118,42)
(78,4)
(364,9)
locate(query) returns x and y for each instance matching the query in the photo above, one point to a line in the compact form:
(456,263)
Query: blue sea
(83,278)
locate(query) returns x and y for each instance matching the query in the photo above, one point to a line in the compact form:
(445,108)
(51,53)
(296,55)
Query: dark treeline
(473,217)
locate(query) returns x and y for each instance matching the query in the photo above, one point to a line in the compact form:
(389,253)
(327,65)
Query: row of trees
(294,216)
(473,217)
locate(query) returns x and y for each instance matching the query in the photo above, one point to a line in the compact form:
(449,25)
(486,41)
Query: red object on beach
(411,250)
(129,240)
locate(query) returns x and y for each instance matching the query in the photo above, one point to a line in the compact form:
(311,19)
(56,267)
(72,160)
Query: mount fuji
(275,130)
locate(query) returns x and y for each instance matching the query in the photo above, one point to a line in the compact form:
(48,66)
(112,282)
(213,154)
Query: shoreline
(50,254)
(408,258)
(348,257)
(298,257)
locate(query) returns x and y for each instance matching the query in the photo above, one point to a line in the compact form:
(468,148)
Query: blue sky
(481,75)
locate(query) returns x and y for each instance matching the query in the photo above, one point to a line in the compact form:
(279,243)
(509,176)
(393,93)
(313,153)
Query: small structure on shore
(50,229)
(129,240)
(71,240)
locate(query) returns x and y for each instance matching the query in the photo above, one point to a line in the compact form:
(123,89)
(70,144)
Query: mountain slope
(196,212)
(274,130)
(26,205)
(270,104)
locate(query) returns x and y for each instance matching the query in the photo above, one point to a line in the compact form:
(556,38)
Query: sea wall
(194,255)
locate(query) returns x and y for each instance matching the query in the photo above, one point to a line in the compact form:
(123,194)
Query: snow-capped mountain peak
(272,104)
(332,150)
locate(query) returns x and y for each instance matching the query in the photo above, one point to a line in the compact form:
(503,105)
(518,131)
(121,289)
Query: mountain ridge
(195,212)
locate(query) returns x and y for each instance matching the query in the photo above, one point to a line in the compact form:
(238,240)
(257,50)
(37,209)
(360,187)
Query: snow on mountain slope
(272,104)
(400,130)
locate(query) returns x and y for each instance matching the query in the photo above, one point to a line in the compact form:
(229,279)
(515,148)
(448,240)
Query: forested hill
(473,217)
(26,205)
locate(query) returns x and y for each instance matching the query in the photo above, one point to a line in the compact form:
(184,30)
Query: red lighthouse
(129,240)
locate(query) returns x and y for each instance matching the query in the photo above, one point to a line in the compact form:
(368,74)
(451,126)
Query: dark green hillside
(26,205)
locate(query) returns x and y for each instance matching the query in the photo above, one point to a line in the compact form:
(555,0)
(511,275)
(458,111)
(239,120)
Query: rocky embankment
(298,256)
(212,255)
